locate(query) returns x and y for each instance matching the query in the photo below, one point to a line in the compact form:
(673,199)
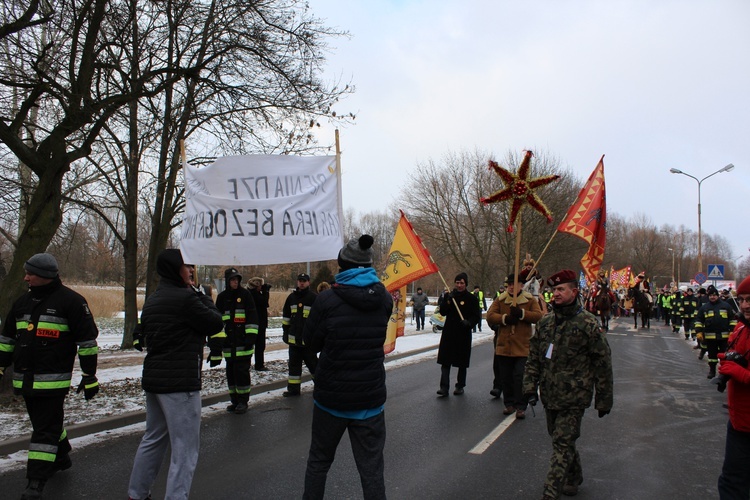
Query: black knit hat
(357,253)
(43,265)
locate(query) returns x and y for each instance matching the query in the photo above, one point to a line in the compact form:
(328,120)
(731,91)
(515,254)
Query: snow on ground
(119,374)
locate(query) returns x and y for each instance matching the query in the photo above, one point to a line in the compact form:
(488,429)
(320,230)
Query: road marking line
(485,443)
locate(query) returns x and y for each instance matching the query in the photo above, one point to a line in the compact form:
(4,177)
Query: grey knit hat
(357,253)
(43,265)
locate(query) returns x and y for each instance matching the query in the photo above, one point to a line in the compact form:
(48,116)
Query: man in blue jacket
(347,326)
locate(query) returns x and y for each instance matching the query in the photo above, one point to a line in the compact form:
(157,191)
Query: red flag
(408,259)
(587,219)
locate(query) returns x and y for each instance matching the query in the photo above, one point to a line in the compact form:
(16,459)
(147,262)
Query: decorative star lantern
(520,189)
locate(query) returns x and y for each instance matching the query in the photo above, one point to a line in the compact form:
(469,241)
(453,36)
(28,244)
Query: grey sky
(650,84)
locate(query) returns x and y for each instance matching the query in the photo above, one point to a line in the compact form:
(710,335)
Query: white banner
(262,209)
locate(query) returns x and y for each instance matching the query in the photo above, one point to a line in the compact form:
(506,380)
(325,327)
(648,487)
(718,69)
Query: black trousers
(297,355)
(238,378)
(49,441)
(511,380)
(367,438)
(445,377)
(260,347)
(734,481)
(714,347)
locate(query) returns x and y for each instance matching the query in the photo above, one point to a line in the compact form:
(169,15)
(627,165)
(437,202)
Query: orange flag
(397,320)
(587,219)
(408,259)
(619,278)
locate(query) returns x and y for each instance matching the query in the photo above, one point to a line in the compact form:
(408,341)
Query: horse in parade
(642,301)
(603,300)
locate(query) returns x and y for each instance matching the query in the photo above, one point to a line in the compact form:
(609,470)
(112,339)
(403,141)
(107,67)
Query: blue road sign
(716,271)
(701,278)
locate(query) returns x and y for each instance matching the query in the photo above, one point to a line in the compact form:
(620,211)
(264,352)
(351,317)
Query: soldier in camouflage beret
(569,361)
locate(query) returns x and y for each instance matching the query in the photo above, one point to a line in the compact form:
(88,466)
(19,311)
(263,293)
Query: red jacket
(738,387)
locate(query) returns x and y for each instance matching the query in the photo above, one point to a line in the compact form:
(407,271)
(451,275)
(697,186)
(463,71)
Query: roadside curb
(10,446)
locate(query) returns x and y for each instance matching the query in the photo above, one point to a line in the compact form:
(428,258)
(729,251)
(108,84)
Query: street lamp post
(672,250)
(700,181)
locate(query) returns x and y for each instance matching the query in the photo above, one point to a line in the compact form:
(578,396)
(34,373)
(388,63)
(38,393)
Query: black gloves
(516,312)
(89,385)
(138,340)
(532,398)
(510,320)
(265,287)
(603,412)
(466,323)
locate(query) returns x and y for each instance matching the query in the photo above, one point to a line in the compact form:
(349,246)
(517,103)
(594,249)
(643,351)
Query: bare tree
(464,234)
(76,80)
(137,80)
(258,91)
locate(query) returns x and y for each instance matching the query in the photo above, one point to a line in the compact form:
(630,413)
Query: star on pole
(520,189)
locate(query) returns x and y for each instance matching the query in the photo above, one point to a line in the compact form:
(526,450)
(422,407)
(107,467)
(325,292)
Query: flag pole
(536,263)
(339,180)
(517,258)
(452,298)
(183,155)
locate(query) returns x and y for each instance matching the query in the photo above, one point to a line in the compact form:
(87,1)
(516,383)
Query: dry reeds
(105,302)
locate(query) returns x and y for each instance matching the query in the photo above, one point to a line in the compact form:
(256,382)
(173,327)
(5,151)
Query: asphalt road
(664,439)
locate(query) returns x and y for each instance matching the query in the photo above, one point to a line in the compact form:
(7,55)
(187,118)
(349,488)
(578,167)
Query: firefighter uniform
(45,329)
(688,311)
(666,304)
(293,316)
(675,317)
(240,319)
(714,322)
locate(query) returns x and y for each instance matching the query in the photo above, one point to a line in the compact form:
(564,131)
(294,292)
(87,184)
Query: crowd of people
(560,358)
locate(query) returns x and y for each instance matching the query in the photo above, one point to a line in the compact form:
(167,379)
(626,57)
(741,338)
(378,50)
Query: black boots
(33,489)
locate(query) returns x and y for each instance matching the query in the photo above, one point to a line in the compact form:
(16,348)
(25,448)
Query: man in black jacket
(176,320)
(43,331)
(347,326)
(461,311)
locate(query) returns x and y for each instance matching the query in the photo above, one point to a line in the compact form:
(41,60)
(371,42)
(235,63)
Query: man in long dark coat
(461,311)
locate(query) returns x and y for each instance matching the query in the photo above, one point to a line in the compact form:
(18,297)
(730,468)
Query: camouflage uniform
(578,365)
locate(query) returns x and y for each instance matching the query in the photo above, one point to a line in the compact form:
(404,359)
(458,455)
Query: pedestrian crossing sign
(715,271)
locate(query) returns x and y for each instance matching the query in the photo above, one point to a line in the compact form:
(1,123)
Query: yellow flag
(408,259)
(397,321)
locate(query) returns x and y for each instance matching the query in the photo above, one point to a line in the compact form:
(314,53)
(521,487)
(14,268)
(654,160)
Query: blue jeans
(419,315)
(174,420)
(367,438)
(734,481)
